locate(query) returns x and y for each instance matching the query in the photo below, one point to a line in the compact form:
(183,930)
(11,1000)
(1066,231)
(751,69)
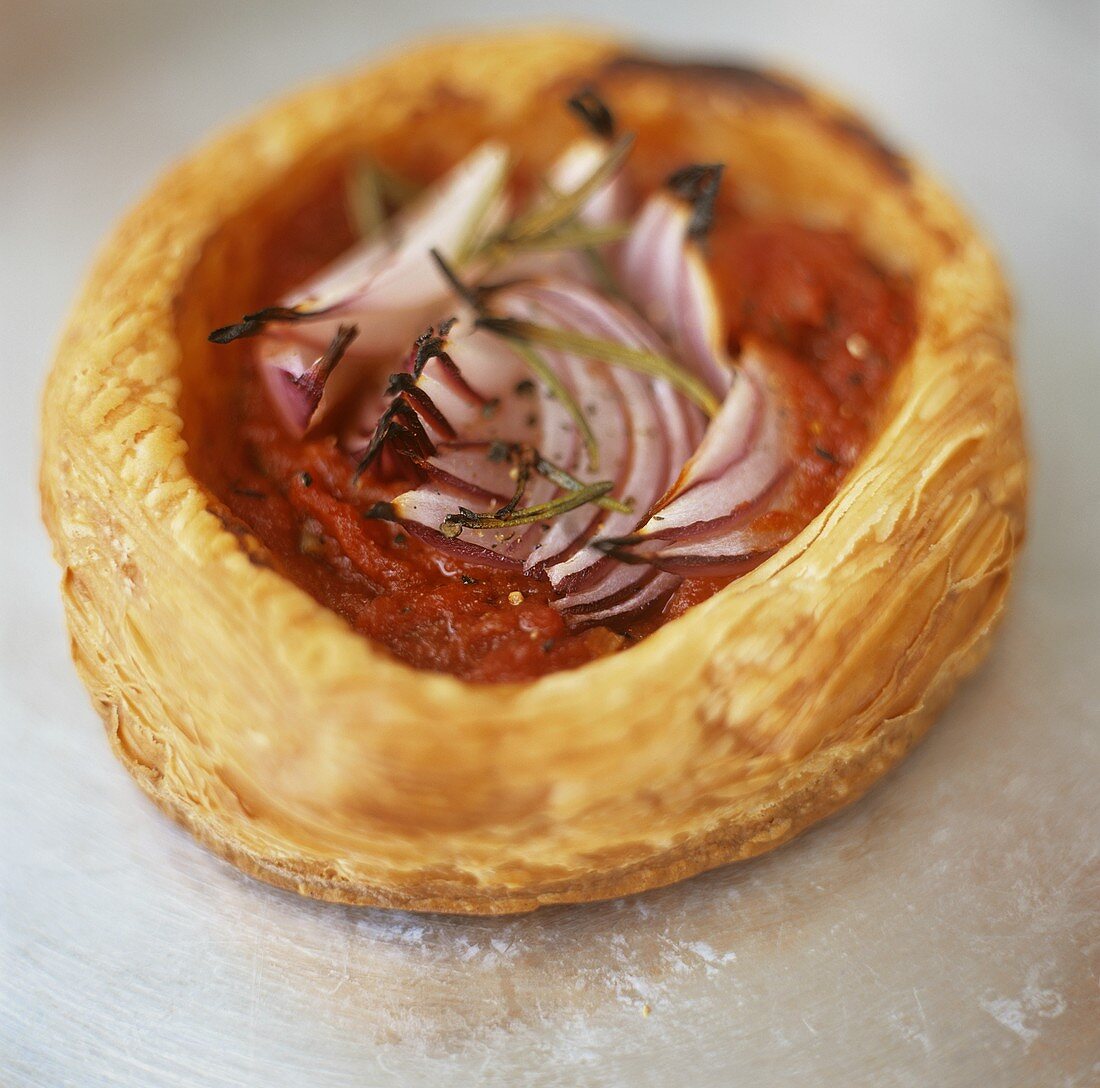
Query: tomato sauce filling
(835,327)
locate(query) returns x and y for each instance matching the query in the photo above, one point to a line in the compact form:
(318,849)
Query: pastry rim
(114,386)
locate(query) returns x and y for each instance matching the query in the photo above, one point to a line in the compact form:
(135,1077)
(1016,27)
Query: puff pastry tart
(617,466)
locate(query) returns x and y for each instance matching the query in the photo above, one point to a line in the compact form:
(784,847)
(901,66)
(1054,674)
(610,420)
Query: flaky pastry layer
(311,759)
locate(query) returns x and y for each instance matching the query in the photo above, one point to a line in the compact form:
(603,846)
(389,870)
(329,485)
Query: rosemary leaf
(469,295)
(374,194)
(605,351)
(545,373)
(471,243)
(556,212)
(569,236)
(567,482)
(365,199)
(453,524)
(601,272)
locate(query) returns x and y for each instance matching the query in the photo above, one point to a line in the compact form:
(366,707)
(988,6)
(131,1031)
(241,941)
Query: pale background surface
(945,931)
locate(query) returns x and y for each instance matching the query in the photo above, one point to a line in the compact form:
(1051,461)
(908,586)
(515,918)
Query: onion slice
(703,525)
(389,284)
(646,431)
(300,389)
(663,272)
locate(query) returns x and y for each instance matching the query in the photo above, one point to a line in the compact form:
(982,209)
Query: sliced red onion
(663,426)
(703,525)
(740,457)
(302,384)
(725,553)
(284,365)
(611,582)
(495,416)
(484,405)
(390,285)
(663,273)
(627,408)
(645,593)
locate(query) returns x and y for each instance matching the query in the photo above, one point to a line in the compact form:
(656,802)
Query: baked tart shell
(313,760)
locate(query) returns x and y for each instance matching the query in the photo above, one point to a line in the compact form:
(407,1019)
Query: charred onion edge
(698,185)
(593,112)
(311,383)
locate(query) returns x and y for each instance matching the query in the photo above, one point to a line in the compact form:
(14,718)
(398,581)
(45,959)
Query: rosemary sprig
(568,236)
(255,323)
(555,213)
(472,243)
(373,194)
(523,454)
(567,482)
(545,373)
(645,362)
(599,267)
(453,524)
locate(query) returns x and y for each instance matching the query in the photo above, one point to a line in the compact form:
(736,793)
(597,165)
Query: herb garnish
(453,524)
(563,207)
(373,194)
(253,324)
(605,351)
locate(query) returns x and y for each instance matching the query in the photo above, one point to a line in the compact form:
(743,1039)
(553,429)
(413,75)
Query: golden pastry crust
(311,759)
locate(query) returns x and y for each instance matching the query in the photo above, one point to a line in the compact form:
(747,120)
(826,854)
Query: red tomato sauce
(835,326)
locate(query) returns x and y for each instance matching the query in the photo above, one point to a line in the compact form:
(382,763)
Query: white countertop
(944,931)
